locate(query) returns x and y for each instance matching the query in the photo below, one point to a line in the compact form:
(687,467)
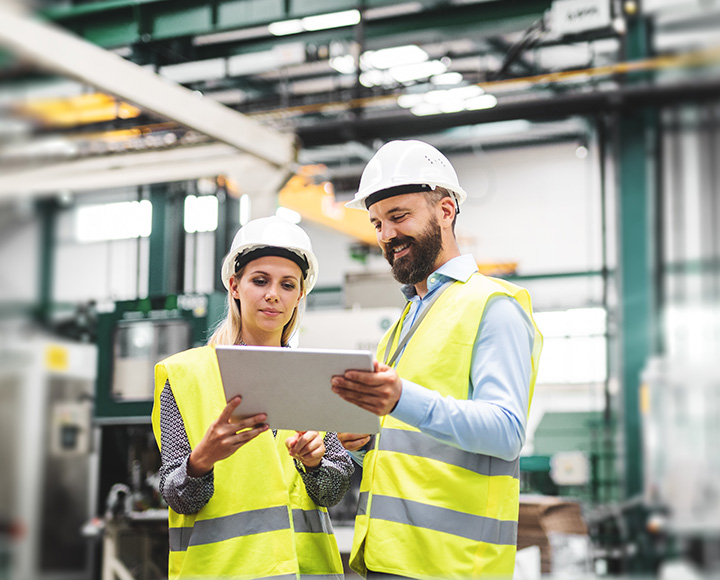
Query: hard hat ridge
(271,236)
(400,167)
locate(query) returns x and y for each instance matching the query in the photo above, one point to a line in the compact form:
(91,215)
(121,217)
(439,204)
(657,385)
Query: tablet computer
(292,385)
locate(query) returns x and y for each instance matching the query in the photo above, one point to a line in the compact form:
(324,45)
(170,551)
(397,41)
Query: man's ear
(448,209)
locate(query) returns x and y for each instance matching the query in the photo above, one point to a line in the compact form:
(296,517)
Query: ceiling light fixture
(449,78)
(332,20)
(387,58)
(481,102)
(314,23)
(414,72)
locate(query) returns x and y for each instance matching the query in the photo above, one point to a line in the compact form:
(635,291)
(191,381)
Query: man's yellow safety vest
(428,510)
(260,521)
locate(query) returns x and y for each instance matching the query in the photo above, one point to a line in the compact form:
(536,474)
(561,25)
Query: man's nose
(386,233)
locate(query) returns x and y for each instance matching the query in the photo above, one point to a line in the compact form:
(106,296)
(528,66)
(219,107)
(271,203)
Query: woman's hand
(307,447)
(353,441)
(223,438)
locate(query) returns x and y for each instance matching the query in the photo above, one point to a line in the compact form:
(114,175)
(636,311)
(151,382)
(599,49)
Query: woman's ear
(234,292)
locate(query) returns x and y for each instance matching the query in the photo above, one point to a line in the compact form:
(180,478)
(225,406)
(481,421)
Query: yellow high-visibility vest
(260,521)
(428,510)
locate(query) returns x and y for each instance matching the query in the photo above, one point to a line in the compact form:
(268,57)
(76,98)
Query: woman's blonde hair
(229,330)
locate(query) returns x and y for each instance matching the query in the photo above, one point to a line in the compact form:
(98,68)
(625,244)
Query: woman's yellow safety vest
(428,510)
(260,521)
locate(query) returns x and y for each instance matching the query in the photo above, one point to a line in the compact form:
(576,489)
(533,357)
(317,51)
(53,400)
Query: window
(574,348)
(201,213)
(113,221)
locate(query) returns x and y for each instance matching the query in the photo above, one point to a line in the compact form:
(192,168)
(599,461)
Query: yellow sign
(56,358)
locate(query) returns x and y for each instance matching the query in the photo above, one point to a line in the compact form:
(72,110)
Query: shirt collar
(459,268)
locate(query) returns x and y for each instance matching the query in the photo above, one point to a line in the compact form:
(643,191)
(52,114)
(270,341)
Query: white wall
(19,259)
(537,206)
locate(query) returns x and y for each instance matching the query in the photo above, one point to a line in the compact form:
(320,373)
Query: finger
(290,441)
(365,377)
(246,436)
(367,402)
(305,439)
(358,386)
(227,412)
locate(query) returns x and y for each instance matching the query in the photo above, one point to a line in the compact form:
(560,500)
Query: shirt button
(432,280)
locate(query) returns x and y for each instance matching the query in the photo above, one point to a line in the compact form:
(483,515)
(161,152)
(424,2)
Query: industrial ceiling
(330,80)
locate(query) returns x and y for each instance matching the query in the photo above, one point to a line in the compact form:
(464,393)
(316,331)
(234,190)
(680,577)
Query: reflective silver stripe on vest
(416,443)
(477,528)
(312,521)
(322,577)
(362,503)
(280,577)
(228,527)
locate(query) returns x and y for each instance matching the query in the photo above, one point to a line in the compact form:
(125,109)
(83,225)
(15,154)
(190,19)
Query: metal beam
(61,52)
(250,174)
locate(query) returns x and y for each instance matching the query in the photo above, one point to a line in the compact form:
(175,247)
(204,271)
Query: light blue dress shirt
(492,420)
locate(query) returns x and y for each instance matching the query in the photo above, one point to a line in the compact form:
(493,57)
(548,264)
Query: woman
(247,502)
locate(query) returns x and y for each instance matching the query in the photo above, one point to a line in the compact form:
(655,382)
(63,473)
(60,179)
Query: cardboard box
(545,521)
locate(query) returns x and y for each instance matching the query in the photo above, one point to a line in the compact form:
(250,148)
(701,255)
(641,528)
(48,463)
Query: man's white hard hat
(405,167)
(272,236)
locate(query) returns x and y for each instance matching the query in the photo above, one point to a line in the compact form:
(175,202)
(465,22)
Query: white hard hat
(405,167)
(272,236)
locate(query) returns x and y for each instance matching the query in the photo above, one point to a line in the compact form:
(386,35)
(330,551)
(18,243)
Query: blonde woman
(246,501)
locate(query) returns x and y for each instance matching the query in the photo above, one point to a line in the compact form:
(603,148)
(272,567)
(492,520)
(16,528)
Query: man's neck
(422,287)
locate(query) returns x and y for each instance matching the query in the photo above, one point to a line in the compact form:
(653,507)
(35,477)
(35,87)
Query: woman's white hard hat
(271,236)
(405,167)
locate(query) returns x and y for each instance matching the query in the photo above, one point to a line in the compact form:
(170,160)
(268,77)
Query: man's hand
(353,441)
(377,391)
(307,447)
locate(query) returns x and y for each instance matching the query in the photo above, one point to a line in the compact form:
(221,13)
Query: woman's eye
(289,286)
(259,281)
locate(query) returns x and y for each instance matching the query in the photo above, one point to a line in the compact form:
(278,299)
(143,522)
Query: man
(453,383)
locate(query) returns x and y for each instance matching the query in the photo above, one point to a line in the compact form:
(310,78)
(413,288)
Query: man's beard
(419,262)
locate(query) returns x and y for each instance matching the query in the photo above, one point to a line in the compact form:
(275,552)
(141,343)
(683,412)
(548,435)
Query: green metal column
(228,225)
(167,241)
(47,213)
(634,145)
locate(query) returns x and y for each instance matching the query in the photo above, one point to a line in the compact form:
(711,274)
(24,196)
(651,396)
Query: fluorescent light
(481,102)
(391,57)
(343,64)
(288,215)
(285,27)
(413,72)
(410,101)
(332,20)
(313,23)
(425,109)
(452,106)
(451,78)
(373,78)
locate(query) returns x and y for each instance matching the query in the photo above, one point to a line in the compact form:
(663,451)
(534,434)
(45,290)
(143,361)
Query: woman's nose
(271,294)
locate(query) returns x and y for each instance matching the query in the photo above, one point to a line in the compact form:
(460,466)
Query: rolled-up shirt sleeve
(492,420)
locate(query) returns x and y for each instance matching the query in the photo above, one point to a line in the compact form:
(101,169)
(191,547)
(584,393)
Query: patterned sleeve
(184,494)
(326,485)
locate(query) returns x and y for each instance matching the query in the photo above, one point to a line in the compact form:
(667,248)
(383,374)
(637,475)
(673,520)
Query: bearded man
(453,382)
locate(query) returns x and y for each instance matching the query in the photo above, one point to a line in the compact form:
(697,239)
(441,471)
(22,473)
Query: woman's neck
(261,339)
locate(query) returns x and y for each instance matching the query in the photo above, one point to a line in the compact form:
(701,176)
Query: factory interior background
(136,137)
